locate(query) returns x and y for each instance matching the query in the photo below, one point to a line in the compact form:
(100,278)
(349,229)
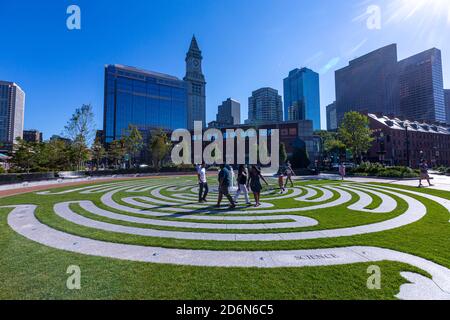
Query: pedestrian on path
(225,182)
(203,184)
(242,184)
(424,175)
(255,184)
(342,171)
(289,172)
(281,181)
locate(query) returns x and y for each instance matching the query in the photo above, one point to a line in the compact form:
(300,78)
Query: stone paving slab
(23,221)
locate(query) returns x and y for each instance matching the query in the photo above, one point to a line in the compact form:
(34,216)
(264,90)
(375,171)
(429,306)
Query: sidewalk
(439,182)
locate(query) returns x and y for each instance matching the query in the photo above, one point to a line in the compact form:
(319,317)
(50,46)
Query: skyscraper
(301,93)
(12,107)
(332,117)
(264,106)
(145,99)
(229,112)
(422,87)
(196,85)
(447,104)
(369,84)
(33,136)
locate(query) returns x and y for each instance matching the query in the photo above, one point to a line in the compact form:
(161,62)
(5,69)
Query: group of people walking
(247,179)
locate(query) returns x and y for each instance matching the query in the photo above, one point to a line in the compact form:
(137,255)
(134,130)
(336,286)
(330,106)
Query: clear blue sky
(246,44)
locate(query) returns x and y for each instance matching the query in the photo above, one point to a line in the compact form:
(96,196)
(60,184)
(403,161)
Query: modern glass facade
(369,84)
(265,106)
(422,87)
(331,117)
(302,96)
(144,99)
(12,105)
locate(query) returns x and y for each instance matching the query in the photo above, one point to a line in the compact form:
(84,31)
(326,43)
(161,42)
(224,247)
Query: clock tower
(196,86)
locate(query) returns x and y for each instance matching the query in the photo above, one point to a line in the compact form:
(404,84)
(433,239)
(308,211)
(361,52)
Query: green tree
(356,134)
(116,152)
(283,153)
(24,156)
(57,154)
(333,147)
(300,158)
(160,148)
(80,129)
(134,143)
(98,152)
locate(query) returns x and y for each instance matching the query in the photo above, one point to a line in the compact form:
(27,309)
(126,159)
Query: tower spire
(194,44)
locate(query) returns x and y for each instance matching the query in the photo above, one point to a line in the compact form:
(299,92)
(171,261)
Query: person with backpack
(225,182)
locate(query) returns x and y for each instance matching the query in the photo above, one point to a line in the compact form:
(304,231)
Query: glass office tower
(302,96)
(332,117)
(265,106)
(422,87)
(369,84)
(12,107)
(148,100)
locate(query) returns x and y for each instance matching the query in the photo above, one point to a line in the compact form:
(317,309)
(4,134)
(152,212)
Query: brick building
(294,134)
(399,142)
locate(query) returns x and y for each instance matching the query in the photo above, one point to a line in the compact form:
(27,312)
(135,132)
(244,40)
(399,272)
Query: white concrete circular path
(154,207)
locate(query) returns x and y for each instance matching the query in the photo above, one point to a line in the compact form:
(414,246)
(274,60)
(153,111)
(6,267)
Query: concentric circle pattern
(168,210)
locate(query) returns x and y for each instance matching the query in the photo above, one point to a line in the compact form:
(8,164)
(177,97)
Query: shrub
(377,170)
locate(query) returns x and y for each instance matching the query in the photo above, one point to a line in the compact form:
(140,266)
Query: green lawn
(31,271)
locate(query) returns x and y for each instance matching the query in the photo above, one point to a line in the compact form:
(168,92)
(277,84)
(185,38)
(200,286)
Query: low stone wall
(26,177)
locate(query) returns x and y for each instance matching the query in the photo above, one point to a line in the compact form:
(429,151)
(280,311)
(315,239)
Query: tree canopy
(356,134)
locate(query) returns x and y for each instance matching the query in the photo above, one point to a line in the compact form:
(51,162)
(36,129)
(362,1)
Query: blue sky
(247,44)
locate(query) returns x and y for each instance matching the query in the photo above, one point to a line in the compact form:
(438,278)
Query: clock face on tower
(196,63)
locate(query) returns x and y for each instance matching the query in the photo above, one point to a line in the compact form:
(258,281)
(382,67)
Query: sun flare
(431,11)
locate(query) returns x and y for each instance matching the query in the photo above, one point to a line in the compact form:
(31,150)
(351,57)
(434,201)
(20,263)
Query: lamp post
(408,160)
(382,145)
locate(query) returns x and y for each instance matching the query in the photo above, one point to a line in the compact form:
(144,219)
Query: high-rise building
(377,83)
(265,106)
(196,85)
(229,112)
(145,99)
(302,93)
(12,106)
(422,87)
(32,136)
(332,117)
(369,84)
(447,104)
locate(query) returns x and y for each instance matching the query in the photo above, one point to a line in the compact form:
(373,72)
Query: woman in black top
(242,182)
(255,184)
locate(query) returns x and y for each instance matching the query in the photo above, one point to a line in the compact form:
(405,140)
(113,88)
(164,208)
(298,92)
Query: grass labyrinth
(150,239)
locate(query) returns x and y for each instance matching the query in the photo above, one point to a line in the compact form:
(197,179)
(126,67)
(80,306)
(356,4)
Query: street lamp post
(382,145)
(408,160)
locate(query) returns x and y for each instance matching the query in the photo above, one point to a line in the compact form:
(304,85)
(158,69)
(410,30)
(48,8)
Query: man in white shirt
(203,189)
